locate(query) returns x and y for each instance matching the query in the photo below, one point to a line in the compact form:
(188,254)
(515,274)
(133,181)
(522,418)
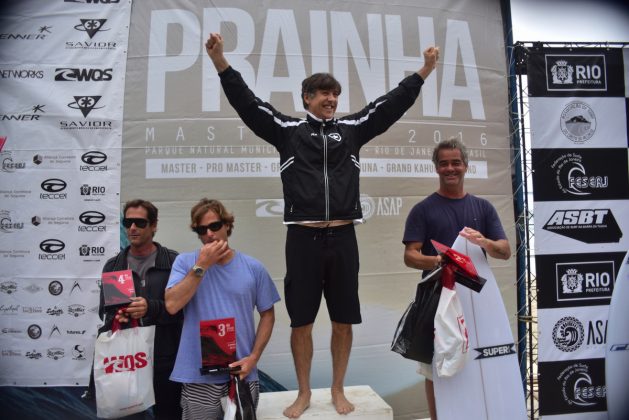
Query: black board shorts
(321,261)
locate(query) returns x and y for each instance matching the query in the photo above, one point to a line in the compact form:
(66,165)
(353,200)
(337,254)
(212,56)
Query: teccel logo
(93,160)
(52,246)
(591,226)
(125,363)
(53,188)
(52,250)
(91,219)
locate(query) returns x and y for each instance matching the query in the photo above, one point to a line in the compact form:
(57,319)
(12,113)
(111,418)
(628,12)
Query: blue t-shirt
(232,290)
(441,219)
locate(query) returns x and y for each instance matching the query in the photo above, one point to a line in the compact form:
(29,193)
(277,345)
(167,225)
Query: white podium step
(369,405)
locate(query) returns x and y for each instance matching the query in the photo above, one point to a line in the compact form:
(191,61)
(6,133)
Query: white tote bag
(123,372)
(451,339)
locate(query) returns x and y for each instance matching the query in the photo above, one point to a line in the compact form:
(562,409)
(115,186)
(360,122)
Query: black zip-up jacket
(167,327)
(319,160)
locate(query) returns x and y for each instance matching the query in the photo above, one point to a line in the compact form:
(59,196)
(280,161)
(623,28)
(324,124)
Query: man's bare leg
(301,347)
(340,346)
(430,398)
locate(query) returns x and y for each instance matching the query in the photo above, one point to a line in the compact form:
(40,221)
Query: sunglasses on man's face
(214,227)
(127,222)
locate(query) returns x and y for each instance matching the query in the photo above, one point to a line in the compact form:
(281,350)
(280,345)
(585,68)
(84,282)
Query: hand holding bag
(238,404)
(451,339)
(123,371)
(414,335)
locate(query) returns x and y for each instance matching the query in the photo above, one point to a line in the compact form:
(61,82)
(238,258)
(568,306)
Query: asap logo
(125,363)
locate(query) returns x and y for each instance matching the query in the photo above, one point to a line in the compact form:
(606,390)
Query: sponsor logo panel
(570,280)
(576,386)
(585,174)
(576,72)
(583,123)
(575,226)
(579,334)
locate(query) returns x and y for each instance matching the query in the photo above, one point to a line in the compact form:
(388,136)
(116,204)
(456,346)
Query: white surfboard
(489,386)
(617,350)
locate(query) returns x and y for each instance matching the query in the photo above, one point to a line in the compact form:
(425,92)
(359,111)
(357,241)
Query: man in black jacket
(151,264)
(320,169)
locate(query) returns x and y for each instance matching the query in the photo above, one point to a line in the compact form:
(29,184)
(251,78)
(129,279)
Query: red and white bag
(451,339)
(123,371)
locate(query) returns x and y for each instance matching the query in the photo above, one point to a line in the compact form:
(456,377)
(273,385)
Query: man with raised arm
(320,169)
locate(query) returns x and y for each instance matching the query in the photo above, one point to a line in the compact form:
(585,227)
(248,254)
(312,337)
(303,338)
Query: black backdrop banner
(578,115)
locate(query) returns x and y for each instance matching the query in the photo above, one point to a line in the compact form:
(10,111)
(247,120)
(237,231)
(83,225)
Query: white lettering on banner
(413,168)
(270,167)
(281,32)
(212,168)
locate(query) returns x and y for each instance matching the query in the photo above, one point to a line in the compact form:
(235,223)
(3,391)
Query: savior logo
(85,104)
(592,226)
(576,72)
(91,26)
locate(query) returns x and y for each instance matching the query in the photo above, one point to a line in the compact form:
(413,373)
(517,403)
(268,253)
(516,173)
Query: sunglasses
(214,227)
(139,223)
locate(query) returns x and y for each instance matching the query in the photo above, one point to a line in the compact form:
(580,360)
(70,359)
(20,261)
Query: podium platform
(369,405)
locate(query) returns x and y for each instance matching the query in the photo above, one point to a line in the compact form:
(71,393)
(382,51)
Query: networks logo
(573,72)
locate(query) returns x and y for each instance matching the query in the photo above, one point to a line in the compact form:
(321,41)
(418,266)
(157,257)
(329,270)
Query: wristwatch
(198,270)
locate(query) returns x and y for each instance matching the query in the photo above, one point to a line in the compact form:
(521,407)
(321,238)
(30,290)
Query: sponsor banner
(580,333)
(568,280)
(578,123)
(584,174)
(206,126)
(581,226)
(190,168)
(580,72)
(62,74)
(572,386)
(56,31)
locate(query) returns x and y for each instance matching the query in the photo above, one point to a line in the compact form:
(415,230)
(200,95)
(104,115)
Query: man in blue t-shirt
(442,216)
(216,282)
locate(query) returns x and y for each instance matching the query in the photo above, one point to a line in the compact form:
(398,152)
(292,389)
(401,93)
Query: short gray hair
(451,143)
